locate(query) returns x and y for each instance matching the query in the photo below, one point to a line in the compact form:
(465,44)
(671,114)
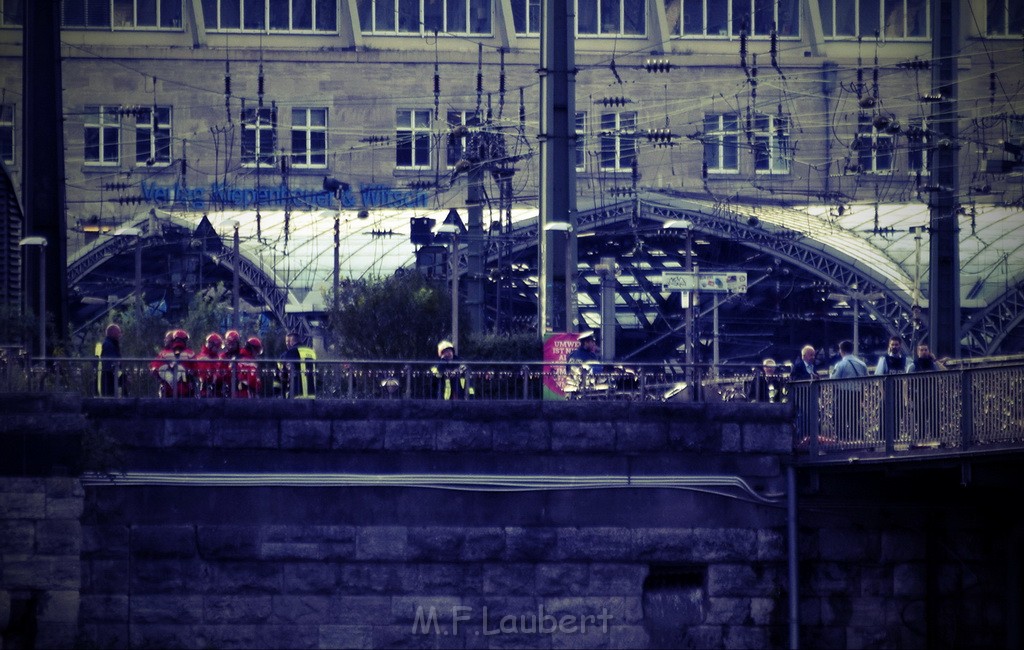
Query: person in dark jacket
(110,354)
(805,368)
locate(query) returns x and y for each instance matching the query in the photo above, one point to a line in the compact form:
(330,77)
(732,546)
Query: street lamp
(452,231)
(678,225)
(855,298)
(566,227)
(131,231)
(41,243)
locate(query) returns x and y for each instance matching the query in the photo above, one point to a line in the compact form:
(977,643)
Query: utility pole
(475,247)
(557,256)
(43,175)
(944,241)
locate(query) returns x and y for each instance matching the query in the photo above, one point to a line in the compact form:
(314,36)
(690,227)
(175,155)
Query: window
(309,137)
(425,16)
(917,146)
(1003,20)
(873,147)
(721,142)
(693,18)
(153,136)
(581,141)
(12,13)
(412,137)
(85,13)
(623,17)
(891,19)
(102,135)
(147,13)
(771,144)
(7,133)
(271,15)
(526,17)
(618,141)
(259,131)
(458,138)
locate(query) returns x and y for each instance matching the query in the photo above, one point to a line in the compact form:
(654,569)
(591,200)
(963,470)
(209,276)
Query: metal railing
(353,379)
(956,410)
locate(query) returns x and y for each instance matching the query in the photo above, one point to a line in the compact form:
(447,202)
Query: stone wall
(40,513)
(335,524)
(260,564)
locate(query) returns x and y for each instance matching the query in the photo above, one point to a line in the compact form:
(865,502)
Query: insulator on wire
(259,86)
(613,101)
(658,65)
(743,52)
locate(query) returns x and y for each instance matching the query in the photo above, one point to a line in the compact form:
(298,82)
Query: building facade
(818,108)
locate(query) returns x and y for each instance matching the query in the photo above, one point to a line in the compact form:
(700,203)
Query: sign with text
(557,348)
(728,282)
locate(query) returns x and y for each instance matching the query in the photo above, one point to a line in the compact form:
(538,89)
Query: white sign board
(678,281)
(728,282)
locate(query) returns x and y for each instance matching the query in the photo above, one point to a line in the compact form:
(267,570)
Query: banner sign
(557,348)
(728,282)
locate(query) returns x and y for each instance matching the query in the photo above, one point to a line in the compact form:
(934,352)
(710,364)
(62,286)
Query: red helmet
(179,340)
(255,345)
(232,339)
(214,341)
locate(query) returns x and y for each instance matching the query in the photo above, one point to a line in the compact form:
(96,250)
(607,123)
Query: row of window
(724,137)
(890,19)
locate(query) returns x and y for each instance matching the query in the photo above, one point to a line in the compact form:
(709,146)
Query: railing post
(525,371)
(408,381)
(888,422)
(966,409)
(811,414)
(351,382)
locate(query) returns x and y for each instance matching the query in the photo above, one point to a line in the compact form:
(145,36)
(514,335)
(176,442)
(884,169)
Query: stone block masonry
(328,524)
(40,567)
(322,564)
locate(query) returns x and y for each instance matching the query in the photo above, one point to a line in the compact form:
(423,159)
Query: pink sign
(557,348)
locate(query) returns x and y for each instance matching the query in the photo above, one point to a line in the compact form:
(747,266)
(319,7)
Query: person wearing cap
(588,353)
(449,375)
(767,385)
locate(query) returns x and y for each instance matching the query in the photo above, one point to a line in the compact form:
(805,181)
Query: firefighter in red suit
(250,384)
(237,368)
(211,371)
(175,368)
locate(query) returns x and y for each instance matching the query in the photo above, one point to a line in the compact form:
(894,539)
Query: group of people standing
(768,385)
(223,367)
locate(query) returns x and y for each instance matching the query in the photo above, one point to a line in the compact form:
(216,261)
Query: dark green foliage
(400,317)
(503,347)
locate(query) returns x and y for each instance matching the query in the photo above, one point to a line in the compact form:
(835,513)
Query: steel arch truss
(155,234)
(986,330)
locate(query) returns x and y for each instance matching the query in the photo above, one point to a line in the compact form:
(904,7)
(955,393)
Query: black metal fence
(954,409)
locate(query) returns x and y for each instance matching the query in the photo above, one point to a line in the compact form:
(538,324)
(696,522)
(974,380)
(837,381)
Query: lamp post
(135,232)
(452,231)
(854,298)
(40,242)
(679,225)
(570,284)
